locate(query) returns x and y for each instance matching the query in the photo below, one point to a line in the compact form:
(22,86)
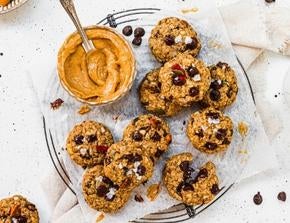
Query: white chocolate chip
(136,164)
(178,39)
(103,130)
(130,172)
(219,82)
(111,193)
(197,77)
(99,179)
(204,128)
(187,40)
(120,166)
(83,151)
(142,132)
(213,121)
(138,177)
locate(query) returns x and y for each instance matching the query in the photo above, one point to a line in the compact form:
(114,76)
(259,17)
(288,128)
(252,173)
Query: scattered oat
(56,104)
(138,198)
(153,191)
(243,129)
(191,10)
(100,217)
(84,109)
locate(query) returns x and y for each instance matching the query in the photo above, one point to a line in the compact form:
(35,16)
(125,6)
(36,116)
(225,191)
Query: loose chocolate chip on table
(141,170)
(214,95)
(282,196)
(139,32)
(269,1)
(221,134)
(137,136)
(192,71)
(169,40)
(258,199)
(91,138)
(56,104)
(192,45)
(79,139)
(178,80)
(193,91)
(184,165)
(137,41)
(214,189)
(127,30)
(210,145)
(102,190)
(138,198)
(156,137)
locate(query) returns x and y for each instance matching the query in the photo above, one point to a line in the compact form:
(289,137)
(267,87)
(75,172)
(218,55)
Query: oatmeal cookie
(101,193)
(184,80)
(151,133)
(88,142)
(172,36)
(127,164)
(189,185)
(210,131)
(18,209)
(223,88)
(152,99)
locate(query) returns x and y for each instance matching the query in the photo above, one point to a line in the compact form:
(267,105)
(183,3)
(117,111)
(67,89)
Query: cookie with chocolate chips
(172,36)
(152,99)
(101,193)
(184,79)
(223,88)
(189,185)
(151,133)
(18,209)
(88,142)
(210,131)
(127,164)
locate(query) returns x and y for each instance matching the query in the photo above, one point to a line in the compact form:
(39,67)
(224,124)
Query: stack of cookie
(115,169)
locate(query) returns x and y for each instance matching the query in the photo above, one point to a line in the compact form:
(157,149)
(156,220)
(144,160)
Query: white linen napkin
(261,27)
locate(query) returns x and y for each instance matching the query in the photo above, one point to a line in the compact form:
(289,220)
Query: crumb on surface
(84,109)
(243,129)
(190,10)
(56,104)
(100,217)
(153,190)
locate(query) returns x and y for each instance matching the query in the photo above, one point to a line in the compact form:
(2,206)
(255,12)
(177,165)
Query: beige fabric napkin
(253,26)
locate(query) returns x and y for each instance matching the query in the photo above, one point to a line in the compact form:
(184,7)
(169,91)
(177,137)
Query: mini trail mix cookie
(17,209)
(151,97)
(184,80)
(151,133)
(88,143)
(101,193)
(210,131)
(223,88)
(191,186)
(172,36)
(127,164)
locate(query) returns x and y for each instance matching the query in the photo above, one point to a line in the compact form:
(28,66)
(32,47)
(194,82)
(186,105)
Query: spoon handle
(69,7)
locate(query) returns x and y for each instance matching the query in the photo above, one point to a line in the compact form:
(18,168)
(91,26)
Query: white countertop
(29,40)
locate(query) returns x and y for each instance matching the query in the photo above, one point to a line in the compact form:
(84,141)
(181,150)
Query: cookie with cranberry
(151,133)
(128,165)
(152,98)
(187,184)
(184,80)
(18,209)
(223,88)
(88,142)
(172,36)
(101,193)
(210,131)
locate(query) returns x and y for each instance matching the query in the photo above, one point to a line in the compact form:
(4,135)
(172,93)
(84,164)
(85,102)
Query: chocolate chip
(19,219)
(129,157)
(258,199)
(91,138)
(125,170)
(138,198)
(107,160)
(210,145)
(214,189)
(282,196)
(194,91)
(31,207)
(107,180)
(127,30)
(222,65)
(137,41)
(102,190)
(156,137)
(79,139)
(226,141)
(192,71)
(158,153)
(213,115)
(116,186)
(139,32)
(110,198)
(137,158)
(135,120)
(199,133)
(184,165)
(202,173)
(215,85)
(137,136)
(179,187)
(141,170)
(192,45)
(178,80)
(188,187)
(221,134)
(169,40)
(214,95)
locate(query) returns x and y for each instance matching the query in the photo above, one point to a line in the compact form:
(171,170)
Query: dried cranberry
(194,91)
(137,136)
(184,166)
(102,149)
(202,173)
(156,137)
(178,80)
(79,139)
(192,71)
(210,145)
(127,30)
(192,45)
(139,32)
(215,85)
(91,138)
(169,40)
(214,189)
(221,134)
(214,95)
(141,170)
(102,190)
(176,67)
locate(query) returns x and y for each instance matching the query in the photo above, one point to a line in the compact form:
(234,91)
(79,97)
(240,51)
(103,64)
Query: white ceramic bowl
(14,4)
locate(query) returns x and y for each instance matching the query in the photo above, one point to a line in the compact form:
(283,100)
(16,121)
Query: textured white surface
(29,40)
